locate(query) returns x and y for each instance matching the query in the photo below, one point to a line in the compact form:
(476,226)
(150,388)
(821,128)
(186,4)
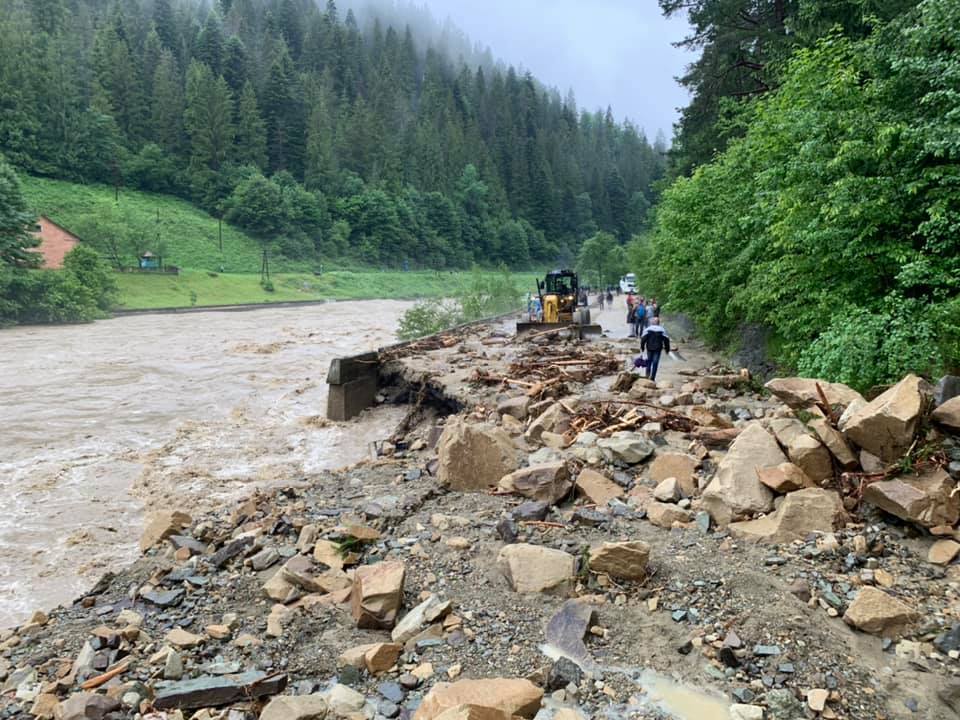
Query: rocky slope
(574,542)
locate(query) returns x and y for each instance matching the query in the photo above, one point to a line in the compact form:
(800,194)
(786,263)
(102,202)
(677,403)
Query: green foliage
(601,259)
(484,295)
(411,157)
(15,222)
(835,220)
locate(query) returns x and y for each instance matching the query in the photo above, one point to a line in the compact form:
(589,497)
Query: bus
(628,283)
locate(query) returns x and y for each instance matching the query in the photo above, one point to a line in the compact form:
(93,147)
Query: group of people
(605,297)
(641,313)
(643,317)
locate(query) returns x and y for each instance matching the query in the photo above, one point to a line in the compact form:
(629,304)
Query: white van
(628,283)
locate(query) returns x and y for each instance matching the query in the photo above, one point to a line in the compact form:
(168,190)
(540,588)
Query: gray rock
(392,692)
(531,510)
(564,672)
(508,530)
(782,705)
(567,629)
(947,388)
(264,559)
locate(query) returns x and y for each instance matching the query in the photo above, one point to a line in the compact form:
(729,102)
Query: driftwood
(99,680)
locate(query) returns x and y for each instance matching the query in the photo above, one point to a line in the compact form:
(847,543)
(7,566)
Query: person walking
(631,309)
(654,341)
(639,318)
(600,299)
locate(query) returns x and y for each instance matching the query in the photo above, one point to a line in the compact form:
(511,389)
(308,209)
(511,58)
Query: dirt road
(102,421)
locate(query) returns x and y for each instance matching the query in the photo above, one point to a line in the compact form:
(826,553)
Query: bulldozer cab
(563,283)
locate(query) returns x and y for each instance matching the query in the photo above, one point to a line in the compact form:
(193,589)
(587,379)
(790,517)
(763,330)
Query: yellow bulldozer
(561,305)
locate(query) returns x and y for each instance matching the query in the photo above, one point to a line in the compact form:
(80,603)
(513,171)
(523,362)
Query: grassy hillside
(187,236)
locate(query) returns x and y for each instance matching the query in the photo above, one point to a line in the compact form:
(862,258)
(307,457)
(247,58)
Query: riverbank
(196,288)
(570,537)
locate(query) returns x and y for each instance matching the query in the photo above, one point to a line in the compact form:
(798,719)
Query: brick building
(55,242)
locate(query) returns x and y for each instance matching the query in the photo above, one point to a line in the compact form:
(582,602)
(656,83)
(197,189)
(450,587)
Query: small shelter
(55,242)
(149,261)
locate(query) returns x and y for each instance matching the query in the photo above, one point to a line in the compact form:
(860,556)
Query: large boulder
(836,443)
(626,447)
(803,449)
(801,513)
(801,393)
(555,419)
(879,613)
(785,478)
(948,415)
(161,525)
(511,696)
(474,456)
(536,569)
(377,594)
(927,500)
(597,488)
(735,490)
(295,707)
(947,388)
(886,426)
(675,465)
(626,560)
(549,482)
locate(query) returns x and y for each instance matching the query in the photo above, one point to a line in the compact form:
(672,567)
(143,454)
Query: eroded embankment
(566,508)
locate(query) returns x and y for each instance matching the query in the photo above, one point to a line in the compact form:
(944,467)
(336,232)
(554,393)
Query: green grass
(188,238)
(187,235)
(143,292)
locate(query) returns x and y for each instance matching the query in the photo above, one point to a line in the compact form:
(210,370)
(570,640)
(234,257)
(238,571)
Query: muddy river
(100,423)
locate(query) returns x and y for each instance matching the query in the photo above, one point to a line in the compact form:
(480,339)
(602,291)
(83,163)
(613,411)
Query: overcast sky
(611,52)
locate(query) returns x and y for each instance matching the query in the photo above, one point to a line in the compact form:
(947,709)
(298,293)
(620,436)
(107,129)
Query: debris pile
(544,554)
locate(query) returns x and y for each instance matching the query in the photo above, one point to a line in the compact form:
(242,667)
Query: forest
(817,184)
(321,138)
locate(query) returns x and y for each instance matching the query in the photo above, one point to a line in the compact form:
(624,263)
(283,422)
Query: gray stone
(946,389)
(531,510)
(567,629)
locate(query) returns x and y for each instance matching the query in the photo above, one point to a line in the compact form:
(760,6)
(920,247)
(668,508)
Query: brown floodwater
(100,423)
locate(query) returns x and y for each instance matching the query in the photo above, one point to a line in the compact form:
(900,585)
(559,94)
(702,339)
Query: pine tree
(210,44)
(166,24)
(208,118)
(235,65)
(251,140)
(16,221)
(167,105)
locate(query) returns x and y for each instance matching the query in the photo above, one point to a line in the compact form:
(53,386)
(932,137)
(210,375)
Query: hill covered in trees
(322,139)
(826,204)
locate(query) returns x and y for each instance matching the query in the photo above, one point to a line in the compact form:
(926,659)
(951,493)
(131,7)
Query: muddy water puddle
(100,423)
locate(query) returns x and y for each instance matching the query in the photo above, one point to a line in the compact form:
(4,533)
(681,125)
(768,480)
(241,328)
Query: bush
(428,318)
(863,349)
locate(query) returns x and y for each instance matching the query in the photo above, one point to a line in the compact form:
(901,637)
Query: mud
(103,422)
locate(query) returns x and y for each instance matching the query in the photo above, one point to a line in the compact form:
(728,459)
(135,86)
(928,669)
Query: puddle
(680,701)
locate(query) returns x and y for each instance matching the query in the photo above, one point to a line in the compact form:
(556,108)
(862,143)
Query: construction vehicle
(562,305)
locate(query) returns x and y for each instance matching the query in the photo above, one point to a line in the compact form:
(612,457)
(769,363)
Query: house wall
(55,243)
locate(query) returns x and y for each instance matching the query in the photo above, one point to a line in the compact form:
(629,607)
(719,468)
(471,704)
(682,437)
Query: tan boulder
(927,500)
(887,425)
(475,712)
(801,513)
(879,613)
(377,594)
(803,449)
(329,553)
(473,457)
(512,426)
(295,707)
(836,443)
(516,407)
(785,478)
(536,569)
(549,482)
(664,515)
(948,415)
(512,696)
(598,488)
(376,658)
(802,392)
(626,560)
(707,418)
(626,447)
(735,490)
(554,419)
(301,572)
(277,588)
(943,552)
(161,525)
(676,465)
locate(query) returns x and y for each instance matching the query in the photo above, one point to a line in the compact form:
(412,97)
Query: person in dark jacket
(654,341)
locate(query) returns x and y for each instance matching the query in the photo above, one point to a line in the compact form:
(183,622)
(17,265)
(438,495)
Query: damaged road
(572,542)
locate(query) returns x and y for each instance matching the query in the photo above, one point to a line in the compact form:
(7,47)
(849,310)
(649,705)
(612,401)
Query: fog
(615,53)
